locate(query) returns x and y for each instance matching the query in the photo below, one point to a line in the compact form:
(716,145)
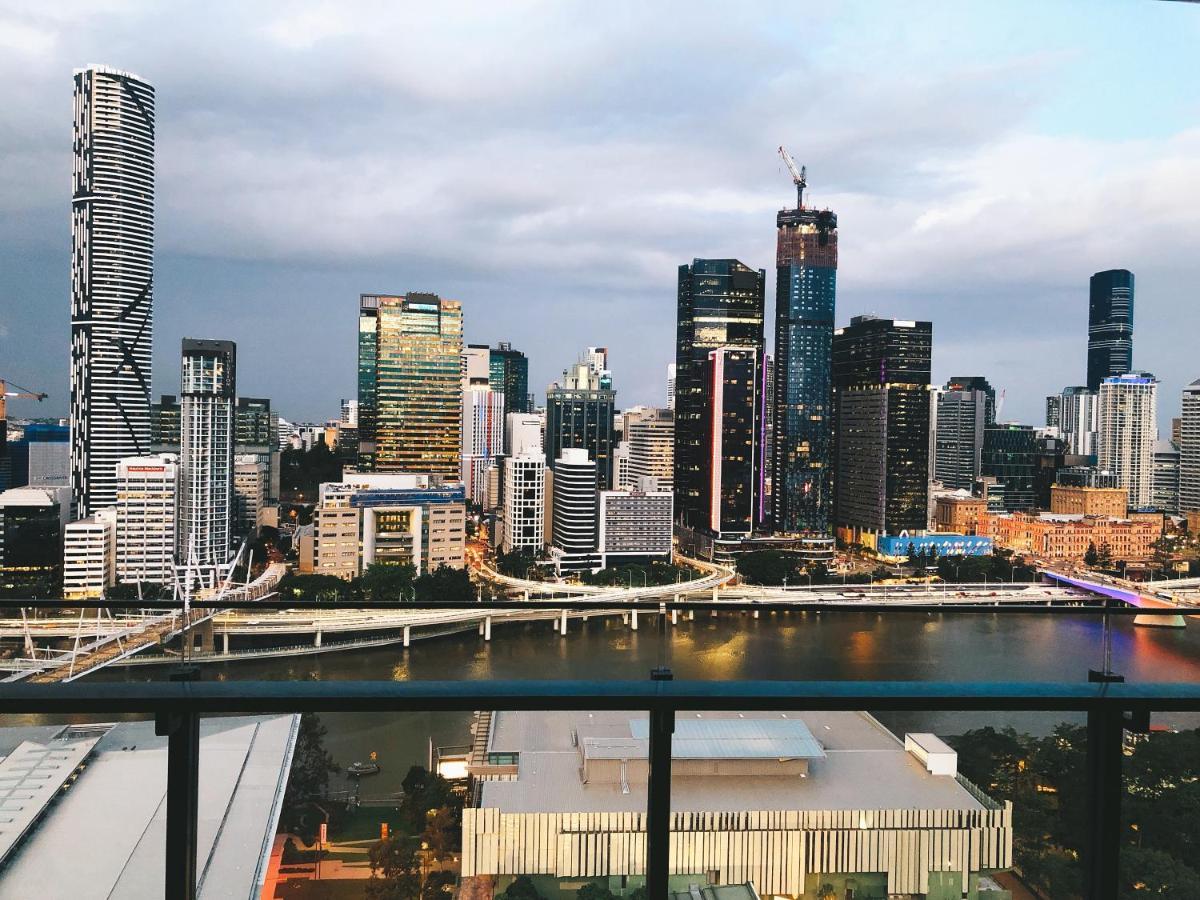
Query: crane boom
(799,176)
(20,392)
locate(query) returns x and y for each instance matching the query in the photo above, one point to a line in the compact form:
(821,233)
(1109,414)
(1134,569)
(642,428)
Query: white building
(145,532)
(621,477)
(89,555)
(635,523)
(482,422)
(249,494)
(575,510)
(1128,431)
(671,386)
(112,279)
(523,433)
(1189,449)
(651,441)
(206,455)
(1079,420)
(522,521)
(349,417)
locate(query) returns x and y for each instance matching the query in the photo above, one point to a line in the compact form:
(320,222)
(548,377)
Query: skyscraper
(1054,411)
(671,386)
(1128,430)
(208,391)
(1165,494)
(1189,449)
(147,489)
(977,383)
(961,420)
(720,306)
(1010,455)
(482,421)
(112,280)
(651,448)
(510,375)
(410,384)
(575,507)
(1080,419)
(881,426)
(1110,326)
(805,297)
(732,489)
(579,414)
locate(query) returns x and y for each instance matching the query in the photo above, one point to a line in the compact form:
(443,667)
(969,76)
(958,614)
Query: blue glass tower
(1110,326)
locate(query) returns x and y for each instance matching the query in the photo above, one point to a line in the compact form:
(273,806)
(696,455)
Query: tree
(395,870)
(1104,558)
(438,886)
(308,780)
(769,567)
(521,889)
(515,564)
(595,891)
(444,583)
(386,581)
(443,832)
(1153,873)
(1091,557)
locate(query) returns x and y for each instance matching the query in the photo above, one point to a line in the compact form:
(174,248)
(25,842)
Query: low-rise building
(250,477)
(1068,537)
(787,802)
(959,513)
(1067,499)
(903,546)
(32,522)
(89,555)
(635,524)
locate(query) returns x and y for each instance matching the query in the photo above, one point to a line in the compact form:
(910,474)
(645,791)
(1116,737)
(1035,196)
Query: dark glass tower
(579,414)
(1011,455)
(720,306)
(881,393)
(805,294)
(509,372)
(977,383)
(1110,326)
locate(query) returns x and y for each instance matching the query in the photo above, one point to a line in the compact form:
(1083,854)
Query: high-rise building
(575,510)
(410,384)
(1189,449)
(255,431)
(805,299)
(1110,326)
(720,306)
(482,420)
(165,424)
(881,399)
(147,488)
(651,442)
(510,376)
(1080,420)
(249,494)
(1128,430)
(977,383)
(32,522)
(112,280)
(1165,488)
(961,421)
(671,386)
(208,390)
(523,519)
(579,414)
(89,555)
(731,493)
(1054,411)
(621,477)
(1010,455)
(41,457)
(634,524)
(522,433)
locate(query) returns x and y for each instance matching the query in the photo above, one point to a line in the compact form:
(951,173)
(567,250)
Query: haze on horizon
(550,165)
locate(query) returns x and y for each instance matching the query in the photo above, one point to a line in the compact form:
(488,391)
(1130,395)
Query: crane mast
(798,177)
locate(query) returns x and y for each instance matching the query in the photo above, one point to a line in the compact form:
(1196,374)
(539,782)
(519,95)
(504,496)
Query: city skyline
(916,197)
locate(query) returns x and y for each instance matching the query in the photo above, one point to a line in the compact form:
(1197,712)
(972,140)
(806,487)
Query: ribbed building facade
(206,500)
(1079,419)
(961,420)
(1189,450)
(112,280)
(805,300)
(1128,431)
(147,491)
(575,509)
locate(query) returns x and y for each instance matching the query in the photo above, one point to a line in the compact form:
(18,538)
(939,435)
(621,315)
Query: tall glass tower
(805,296)
(510,374)
(410,384)
(112,279)
(1110,326)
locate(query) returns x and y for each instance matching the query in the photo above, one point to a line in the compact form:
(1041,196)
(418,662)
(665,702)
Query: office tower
(671,386)
(1054,411)
(958,442)
(651,442)
(596,359)
(209,386)
(482,421)
(575,499)
(720,305)
(881,395)
(1176,429)
(805,299)
(634,525)
(147,491)
(112,280)
(621,477)
(250,479)
(523,517)
(410,384)
(1165,479)
(977,383)
(1010,455)
(89,555)
(1080,420)
(1128,430)
(731,492)
(522,433)
(349,413)
(1110,326)
(165,424)
(579,414)
(1189,449)
(255,430)
(510,375)
(1051,459)
(32,522)
(41,457)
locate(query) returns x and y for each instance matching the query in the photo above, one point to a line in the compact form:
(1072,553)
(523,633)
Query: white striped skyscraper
(112,278)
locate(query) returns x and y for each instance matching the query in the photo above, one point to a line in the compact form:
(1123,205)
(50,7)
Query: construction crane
(19,393)
(798,177)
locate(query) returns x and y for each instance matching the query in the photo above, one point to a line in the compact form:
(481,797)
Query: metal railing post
(658,791)
(1102,848)
(182,730)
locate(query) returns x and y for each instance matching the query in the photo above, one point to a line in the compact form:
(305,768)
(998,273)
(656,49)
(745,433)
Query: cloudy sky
(551,164)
